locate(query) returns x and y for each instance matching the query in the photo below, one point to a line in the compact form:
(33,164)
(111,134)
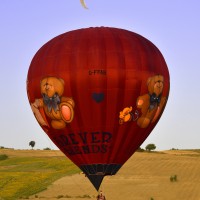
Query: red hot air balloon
(98,93)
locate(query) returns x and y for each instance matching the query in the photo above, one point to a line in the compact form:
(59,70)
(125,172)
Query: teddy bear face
(51,85)
(155,84)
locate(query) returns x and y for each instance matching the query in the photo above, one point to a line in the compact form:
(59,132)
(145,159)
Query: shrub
(67,196)
(84,196)
(173,178)
(3,157)
(60,196)
(174,149)
(140,149)
(47,148)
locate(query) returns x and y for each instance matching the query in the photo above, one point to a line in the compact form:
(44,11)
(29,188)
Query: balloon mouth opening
(96,172)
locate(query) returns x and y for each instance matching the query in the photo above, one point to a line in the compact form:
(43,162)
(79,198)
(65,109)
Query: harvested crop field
(167,175)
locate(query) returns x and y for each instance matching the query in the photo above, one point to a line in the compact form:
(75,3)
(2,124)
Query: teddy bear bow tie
(51,102)
(154,100)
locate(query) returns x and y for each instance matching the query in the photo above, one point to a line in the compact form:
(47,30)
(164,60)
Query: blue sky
(172,25)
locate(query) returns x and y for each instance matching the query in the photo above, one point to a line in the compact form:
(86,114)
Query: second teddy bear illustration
(150,104)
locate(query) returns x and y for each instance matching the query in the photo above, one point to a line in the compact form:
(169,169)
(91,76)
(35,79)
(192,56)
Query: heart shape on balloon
(98,97)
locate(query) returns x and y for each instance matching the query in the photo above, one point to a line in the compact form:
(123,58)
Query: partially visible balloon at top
(83,4)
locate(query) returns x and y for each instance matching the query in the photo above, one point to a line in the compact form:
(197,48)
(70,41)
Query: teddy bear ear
(149,80)
(161,78)
(43,79)
(62,81)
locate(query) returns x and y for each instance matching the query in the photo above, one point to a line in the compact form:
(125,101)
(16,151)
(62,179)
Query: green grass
(25,176)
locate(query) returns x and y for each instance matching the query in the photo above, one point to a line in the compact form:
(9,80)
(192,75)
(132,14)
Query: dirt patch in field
(144,176)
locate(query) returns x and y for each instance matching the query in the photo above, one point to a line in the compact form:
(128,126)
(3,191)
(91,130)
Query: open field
(146,176)
(27,172)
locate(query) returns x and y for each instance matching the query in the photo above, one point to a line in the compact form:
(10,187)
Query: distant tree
(32,144)
(150,147)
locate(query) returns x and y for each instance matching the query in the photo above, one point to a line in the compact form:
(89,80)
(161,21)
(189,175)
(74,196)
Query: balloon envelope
(98,93)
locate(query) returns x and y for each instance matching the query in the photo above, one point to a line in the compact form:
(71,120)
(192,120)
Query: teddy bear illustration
(59,109)
(150,104)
